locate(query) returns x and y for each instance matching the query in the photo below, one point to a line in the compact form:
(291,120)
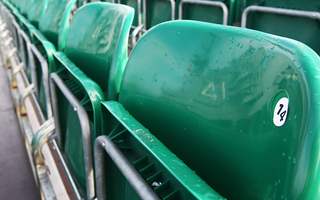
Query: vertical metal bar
(173,9)
(56,114)
(144,7)
(45,78)
(74,187)
(85,129)
(30,59)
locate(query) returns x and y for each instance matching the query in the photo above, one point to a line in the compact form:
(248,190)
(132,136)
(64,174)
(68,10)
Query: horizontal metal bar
(208,3)
(280,11)
(104,144)
(85,128)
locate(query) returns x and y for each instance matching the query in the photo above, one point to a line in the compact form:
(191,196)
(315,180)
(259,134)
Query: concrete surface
(16,178)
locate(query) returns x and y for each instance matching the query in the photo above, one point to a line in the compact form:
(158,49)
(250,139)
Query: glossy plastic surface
(89,95)
(151,158)
(97,43)
(302,29)
(54,22)
(35,10)
(212,102)
(157,11)
(24,7)
(134,5)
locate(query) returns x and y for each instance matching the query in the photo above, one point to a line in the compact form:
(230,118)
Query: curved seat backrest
(97,43)
(286,25)
(240,107)
(35,10)
(134,4)
(25,7)
(156,12)
(55,21)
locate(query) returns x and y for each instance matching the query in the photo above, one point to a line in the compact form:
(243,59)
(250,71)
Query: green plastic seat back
(89,95)
(212,93)
(35,10)
(25,5)
(24,25)
(157,11)
(287,26)
(55,21)
(14,2)
(133,4)
(207,13)
(97,43)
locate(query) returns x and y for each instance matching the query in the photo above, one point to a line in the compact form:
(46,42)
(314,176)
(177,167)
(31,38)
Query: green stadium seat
(96,49)
(135,152)
(53,26)
(298,20)
(157,11)
(137,25)
(136,4)
(238,106)
(207,11)
(24,7)
(35,11)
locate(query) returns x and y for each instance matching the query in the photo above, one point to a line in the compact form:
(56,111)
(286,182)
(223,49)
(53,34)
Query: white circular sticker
(280,112)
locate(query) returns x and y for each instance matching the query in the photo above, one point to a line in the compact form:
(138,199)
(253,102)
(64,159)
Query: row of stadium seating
(270,16)
(198,111)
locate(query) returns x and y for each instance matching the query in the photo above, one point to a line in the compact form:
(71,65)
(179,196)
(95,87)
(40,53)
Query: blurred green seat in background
(207,11)
(157,11)
(298,20)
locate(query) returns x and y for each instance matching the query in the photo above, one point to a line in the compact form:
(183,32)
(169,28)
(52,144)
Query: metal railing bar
(45,78)
(104,144)
(208,3)
(56,81)
(280,11)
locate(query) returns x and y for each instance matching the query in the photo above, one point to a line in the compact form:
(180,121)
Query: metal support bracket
(5,33)
(3,27)
(22,97)
(14,73)
(8,41)
(10,55)
(134,35)
(12,52)
(40,138)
